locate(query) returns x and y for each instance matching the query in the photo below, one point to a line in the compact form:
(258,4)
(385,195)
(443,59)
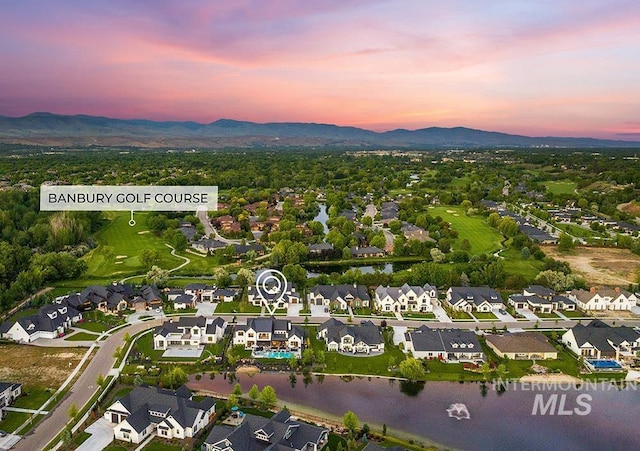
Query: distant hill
(82,130)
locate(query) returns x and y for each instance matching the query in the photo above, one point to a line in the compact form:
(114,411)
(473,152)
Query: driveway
(506,317)
(8,441)
(101,435)
(318,311)
(294,309)
(527,314)
(398,334)
(441,314)
(135,317)
(206,308)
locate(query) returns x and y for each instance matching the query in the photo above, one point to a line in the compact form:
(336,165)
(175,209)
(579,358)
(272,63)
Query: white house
(448,345)
(598,340)
(202,292)
(469,299)
(604,299)
(51,321)
(188,331)
(364,338)
(339,297)
(405,298)
(277,299)
(269,333)
(169,414)
(8,394)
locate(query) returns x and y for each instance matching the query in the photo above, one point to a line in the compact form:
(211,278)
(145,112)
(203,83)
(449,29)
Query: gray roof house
(270,333)
(170,414)
(479,299)
(281,432)
(339,297)
(449,345)
(405,298)
(50,322)
(598,340)
(363,338)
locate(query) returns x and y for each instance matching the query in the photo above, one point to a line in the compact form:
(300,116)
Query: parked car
(502,311)
(3,433)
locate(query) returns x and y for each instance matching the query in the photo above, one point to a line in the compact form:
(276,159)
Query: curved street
(81,391)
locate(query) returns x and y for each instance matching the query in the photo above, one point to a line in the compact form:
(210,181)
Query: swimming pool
(604,364)
(273,354)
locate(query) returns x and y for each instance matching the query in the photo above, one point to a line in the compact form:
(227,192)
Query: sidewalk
(441,314)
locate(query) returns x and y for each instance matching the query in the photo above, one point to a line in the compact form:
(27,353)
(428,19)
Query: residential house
(603,299)
(478,299)
(522,346)
(169,414)
(564,303)
(598,340)
(539,290)
(269,333)
(184,301)
(321,250)
(51,321)
(339,297)
(9,391)
(413,232)
(276,298)
(202,291)
(448,345)
(223,295)
(188,331)
(533,303)
(148,297)
(405,298)
(366,252)
(364,338)
(281,432)
(207,245)
(174,293)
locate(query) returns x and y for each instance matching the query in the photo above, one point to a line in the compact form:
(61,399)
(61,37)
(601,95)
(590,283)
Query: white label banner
(127,198)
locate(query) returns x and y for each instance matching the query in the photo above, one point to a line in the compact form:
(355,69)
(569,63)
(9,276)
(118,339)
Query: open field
(561,187)
(600,265)
(37,366)
(632,208)
(484,239)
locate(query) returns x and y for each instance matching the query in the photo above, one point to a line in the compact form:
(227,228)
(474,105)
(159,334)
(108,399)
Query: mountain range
(82,130)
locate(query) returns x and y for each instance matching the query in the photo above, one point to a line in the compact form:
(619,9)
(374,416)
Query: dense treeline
(39,247)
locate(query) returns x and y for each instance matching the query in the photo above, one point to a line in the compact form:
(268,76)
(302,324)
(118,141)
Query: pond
(497,420)
(323,217)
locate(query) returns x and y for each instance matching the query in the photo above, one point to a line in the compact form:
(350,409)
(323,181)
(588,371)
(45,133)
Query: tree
(254,392)
(350,421)
(117,353)
(437,255)
(175,378)
(149,257)
(465,245)
(237,389)
(485,369)
(379,241)
(245,277)
(346,253)
(565,242)
(73,411)
(307,356)
(412,369)
(268,396)
(232,401)
(222,277)
(157,276)
(100,380)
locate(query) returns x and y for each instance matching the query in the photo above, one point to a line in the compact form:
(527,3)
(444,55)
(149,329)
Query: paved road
(210,230)
(82,390)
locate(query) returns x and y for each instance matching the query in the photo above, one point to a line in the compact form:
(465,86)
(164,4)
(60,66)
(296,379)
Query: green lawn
(484,239)
(92,326)
(514,264)
(237,307)
(36,396)
(579,231)
(418,315)
(155,445)
(119,246)
(13,420)
(115,447)
(561,186)
(547,315)
(484,315)
(82,336)
(574,314)
(81,438)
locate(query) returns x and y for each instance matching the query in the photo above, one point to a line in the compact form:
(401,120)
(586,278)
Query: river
(323,217)
(497,421)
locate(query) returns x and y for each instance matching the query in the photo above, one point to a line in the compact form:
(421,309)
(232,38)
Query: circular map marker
(271,286)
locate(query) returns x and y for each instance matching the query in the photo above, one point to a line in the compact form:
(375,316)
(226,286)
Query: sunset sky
(552,67)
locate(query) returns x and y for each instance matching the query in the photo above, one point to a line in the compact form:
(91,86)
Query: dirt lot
(600,266)
(37,366)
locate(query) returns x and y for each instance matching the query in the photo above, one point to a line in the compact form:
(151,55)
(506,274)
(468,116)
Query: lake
(322,217)
(497,421)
